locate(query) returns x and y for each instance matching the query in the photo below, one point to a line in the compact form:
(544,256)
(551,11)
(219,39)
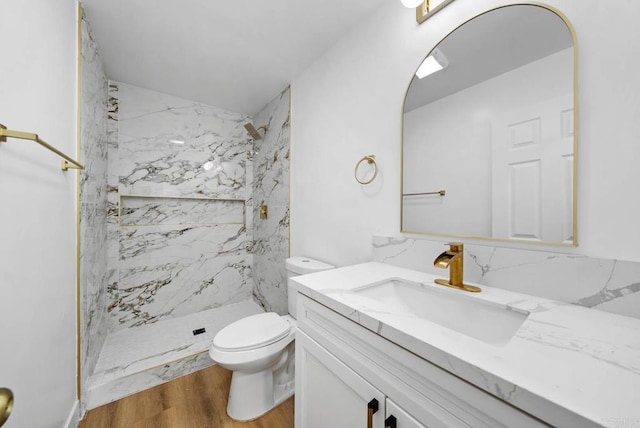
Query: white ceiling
(234,54)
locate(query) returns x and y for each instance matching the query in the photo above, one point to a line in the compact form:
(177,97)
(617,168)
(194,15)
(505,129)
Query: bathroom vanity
(381,346)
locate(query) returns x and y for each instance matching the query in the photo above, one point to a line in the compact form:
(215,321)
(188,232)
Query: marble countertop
(565,363)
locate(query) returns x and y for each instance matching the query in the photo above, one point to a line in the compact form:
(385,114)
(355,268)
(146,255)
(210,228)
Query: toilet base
(252,395)
(282,393)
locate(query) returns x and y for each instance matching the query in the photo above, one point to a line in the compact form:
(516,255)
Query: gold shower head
(254,132)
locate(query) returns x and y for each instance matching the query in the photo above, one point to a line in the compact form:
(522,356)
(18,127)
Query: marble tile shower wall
(93,203)
(607,285)
(170,159)
(271,187)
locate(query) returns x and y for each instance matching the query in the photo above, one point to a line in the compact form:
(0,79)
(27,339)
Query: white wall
(38,215)
(348,104)
(456,131)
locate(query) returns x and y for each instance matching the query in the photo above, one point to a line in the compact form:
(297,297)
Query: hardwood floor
(198,400)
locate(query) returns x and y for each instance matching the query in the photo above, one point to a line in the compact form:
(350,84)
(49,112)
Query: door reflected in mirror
(489,118)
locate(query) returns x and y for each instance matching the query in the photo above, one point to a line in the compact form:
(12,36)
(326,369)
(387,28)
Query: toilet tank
(300,266)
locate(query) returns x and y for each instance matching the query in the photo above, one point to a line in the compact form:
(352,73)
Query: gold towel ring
(371,159)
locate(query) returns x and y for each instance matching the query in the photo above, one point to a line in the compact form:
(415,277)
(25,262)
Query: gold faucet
(453,259)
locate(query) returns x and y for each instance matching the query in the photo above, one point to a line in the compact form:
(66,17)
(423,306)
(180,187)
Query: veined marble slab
(93,203)
(177,247)
(139,358)
(270,285)
(113,240)
(271,187)
(567,365)
(156,211)
(149,293)
(169,146)
(607,285)
(271,154)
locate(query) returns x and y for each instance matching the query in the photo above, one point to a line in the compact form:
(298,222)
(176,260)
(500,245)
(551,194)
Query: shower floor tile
(138,358)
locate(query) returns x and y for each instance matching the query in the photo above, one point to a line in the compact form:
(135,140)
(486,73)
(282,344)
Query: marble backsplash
(271,188)
(603,284)
(170,165)
(93,203)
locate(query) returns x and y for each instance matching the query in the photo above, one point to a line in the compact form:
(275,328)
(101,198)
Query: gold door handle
(372,407)
(6,404)
(391,422)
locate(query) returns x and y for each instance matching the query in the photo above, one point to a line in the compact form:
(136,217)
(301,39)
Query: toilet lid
(252,332)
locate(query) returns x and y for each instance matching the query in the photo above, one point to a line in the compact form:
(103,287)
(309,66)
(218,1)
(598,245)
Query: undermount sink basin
(487,321)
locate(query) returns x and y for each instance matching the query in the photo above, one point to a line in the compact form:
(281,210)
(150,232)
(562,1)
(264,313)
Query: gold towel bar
(68,163)
(439,192)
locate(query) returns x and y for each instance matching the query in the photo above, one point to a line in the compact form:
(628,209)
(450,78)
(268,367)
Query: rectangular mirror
(489,148)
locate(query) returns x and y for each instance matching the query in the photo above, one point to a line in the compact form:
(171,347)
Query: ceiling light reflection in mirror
(435,62)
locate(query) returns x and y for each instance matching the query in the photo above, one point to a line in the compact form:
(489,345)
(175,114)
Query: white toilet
(260,351)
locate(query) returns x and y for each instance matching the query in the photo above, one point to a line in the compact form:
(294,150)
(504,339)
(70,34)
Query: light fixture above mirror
(425,8)
(411,3)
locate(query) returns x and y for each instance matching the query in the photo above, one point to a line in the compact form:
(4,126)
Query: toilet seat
(245,359)
(256,331)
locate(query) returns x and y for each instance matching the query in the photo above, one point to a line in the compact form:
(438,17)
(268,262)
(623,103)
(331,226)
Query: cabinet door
(330,394)
(398,418)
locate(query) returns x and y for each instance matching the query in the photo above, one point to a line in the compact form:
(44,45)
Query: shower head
(254,132)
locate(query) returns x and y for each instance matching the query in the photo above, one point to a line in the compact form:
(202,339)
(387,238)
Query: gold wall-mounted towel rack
(67,163)
(439,192)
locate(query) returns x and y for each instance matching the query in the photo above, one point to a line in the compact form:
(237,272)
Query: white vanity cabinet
(341,367)
(336,396)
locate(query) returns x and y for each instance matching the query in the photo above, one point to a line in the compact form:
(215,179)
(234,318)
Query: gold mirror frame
(423,13)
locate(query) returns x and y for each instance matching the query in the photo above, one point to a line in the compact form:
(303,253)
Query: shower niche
(184,211)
